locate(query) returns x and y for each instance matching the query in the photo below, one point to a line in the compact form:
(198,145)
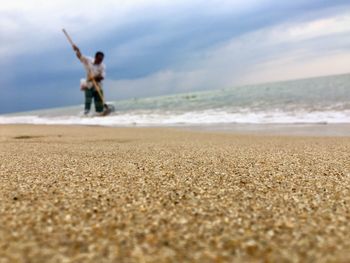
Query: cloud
(286,51)
(41,21)
(160,46)
(287,68)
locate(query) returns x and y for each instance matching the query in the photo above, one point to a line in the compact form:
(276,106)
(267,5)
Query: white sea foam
(148,118)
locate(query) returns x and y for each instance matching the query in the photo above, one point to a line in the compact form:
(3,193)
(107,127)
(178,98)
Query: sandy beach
(97,194)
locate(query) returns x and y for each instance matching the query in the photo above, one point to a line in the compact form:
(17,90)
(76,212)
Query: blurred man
(98,72)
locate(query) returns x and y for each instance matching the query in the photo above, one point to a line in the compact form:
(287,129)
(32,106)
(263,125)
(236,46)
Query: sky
(158,47)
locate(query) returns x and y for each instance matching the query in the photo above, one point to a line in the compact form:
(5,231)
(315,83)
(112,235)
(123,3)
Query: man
(95,70)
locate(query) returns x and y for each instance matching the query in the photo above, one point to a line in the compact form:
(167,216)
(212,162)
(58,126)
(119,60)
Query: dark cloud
(151,44)
(147,43)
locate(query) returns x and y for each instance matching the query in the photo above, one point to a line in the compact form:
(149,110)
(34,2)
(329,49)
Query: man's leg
(98,101)
(88,100)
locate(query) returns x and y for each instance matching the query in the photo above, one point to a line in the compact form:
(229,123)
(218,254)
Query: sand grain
(93,194)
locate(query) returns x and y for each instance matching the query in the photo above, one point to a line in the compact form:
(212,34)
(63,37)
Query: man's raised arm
(77,52)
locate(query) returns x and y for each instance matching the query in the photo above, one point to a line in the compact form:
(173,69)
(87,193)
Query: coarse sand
(98,194)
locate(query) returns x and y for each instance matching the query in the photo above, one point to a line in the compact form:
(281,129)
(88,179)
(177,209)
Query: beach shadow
(24,137)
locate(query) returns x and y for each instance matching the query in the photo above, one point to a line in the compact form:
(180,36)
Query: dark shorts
(93,94)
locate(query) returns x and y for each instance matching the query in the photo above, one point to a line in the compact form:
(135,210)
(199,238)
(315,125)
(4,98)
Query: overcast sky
(156,47)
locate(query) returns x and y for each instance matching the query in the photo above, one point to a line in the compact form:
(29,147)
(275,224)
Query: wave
(207,117)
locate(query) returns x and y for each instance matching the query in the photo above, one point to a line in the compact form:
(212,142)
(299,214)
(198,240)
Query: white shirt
(96,70)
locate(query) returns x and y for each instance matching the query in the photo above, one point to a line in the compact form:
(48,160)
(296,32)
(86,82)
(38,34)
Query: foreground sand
(93,194)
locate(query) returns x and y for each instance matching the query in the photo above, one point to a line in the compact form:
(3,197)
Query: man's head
(99,57)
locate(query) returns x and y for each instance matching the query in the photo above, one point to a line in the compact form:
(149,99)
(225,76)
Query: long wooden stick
(90,75)
(68,37)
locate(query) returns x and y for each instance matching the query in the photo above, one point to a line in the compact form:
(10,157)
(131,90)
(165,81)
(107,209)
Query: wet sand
(95,194)
(306,129)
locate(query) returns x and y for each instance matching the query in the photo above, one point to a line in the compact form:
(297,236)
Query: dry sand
(94,194)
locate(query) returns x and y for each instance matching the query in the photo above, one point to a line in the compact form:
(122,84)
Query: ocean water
(320,100)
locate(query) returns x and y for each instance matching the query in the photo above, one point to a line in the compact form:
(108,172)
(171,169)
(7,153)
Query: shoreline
(298,130)
(302,129)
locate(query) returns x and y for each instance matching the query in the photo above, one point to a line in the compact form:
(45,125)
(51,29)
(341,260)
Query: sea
(322,100)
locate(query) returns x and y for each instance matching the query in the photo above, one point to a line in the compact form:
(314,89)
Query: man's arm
(99,78)
(77,52)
